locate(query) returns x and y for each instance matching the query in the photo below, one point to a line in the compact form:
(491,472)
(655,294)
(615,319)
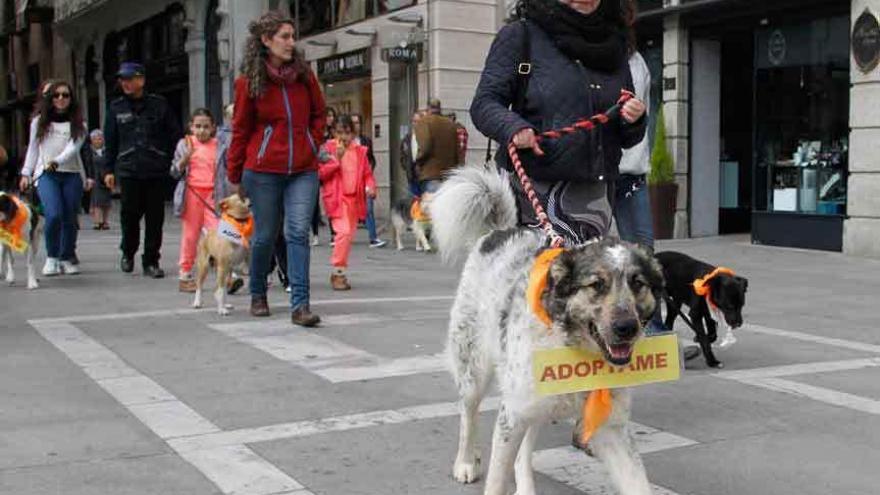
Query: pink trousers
(344,229)
(196,215)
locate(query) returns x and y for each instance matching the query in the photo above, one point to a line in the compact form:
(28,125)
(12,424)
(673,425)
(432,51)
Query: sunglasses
(61,95)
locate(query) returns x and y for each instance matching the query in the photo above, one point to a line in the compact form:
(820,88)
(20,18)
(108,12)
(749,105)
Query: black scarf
(597,40)
(58,117)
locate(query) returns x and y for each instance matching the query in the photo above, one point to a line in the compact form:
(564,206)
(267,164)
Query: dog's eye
(637,284)
(597,285)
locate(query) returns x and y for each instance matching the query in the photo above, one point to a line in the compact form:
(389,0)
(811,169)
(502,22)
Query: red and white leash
(588,124)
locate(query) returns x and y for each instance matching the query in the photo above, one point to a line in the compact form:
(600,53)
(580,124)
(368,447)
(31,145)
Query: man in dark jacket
(437,142)
(140,133)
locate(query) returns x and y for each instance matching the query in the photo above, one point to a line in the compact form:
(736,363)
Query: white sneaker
(316,241)
(51,268)
(69,268)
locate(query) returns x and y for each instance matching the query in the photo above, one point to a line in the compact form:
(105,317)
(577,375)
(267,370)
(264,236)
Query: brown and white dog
(224,248)
(21,225)
(597,296)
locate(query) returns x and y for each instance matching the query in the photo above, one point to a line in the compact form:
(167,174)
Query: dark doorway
(214,97)
(737,122)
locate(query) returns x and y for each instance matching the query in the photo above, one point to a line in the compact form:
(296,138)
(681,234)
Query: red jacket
(330,174)
(279,132)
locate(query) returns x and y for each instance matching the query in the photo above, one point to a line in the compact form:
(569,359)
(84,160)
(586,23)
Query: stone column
(676,109)
(862,229)
(99,77)
(82,94)
(195,50)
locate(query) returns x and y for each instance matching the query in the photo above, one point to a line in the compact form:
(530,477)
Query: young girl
(53,163)
(346,181)
(195,164)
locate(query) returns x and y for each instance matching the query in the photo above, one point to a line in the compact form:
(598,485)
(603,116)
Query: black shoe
(234,286)
(74,260)
(126,264)
(153,271)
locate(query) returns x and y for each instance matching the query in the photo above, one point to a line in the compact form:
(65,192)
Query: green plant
(662,165)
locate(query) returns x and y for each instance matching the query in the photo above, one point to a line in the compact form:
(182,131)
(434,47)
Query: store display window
(802,117)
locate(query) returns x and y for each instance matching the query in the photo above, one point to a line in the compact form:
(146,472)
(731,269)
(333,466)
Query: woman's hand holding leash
(24,183)
(526,139)
(632,110)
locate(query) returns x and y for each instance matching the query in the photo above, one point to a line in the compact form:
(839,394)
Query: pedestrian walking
(408,147)
(102,196)
(140,133)
(346,183)
(54,165)
(437,143)
(195,164)
(316,217)
(364,140)
(560,61)
(278,126)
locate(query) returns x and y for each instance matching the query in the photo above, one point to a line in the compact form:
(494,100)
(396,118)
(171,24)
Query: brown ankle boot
(339,282)
(304,317)
(259,306)
(187,285)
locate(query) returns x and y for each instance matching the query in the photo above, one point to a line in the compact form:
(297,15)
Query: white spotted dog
(20,230)
(413,214)
(597,296)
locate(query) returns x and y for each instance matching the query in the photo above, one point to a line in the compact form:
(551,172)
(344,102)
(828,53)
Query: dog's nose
(626,328)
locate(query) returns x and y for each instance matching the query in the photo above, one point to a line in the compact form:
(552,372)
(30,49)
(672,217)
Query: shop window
(315,16)
(802,111)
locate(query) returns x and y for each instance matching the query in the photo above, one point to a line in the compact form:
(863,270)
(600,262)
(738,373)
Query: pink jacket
(330,174)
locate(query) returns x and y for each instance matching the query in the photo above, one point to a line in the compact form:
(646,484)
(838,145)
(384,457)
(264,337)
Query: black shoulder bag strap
(523,73)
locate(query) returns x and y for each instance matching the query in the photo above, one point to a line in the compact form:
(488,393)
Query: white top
(56,146)
(637,160)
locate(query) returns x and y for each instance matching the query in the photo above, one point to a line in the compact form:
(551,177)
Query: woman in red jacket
(276,130)
(346,182)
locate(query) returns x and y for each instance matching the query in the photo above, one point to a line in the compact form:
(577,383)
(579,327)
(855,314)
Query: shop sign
(776,48)
(866,41)
(405,54)
(345,66)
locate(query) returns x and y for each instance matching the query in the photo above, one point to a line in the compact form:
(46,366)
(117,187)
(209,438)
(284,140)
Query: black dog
(728,293)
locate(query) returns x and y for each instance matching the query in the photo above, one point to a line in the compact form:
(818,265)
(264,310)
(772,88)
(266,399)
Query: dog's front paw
(10,278)
(419,248)
(197,304)
(428,249)
(466,472)
(224,311)
(33,284)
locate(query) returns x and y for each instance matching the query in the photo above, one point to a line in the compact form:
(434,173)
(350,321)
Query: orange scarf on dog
(12,230)
(415,211)
(597,406)
(701,285)
(238,231)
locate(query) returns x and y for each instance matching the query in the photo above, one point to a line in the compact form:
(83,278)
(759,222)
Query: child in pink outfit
(195,162)
(346,181)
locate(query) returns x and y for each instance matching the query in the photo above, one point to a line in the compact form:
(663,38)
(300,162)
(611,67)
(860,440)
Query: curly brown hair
(253,64)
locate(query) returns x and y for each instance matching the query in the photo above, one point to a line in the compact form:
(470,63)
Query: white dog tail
(472,202)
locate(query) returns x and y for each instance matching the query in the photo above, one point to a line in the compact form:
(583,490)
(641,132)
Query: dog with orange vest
(20,231)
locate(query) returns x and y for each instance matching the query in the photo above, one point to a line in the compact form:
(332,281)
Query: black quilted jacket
(560,91)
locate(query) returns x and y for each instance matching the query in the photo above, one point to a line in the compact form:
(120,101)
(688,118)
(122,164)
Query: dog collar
(701,285)
(538,284)
(11,231)
(235,230)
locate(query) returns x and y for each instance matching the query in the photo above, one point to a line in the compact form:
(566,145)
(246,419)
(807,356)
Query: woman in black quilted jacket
(556,62)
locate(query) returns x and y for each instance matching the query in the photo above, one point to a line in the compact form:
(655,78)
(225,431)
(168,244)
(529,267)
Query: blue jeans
(60,194)
(276,197)
(371,220)
(430,185)
(632,210)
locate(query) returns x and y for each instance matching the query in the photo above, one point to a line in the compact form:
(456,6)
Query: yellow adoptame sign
(14,242)
(566,370)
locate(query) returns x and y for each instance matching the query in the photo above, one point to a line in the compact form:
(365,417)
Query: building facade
(773,118)
(770,107)
(32,52)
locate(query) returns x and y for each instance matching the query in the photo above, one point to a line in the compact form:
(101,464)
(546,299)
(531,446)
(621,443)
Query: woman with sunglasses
(54,165)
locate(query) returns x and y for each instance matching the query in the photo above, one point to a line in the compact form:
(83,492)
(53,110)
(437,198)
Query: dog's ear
(224,204)
(560,277)
(743,282)
(8,208)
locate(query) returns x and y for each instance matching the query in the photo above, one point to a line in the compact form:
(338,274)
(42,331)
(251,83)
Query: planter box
(663,198)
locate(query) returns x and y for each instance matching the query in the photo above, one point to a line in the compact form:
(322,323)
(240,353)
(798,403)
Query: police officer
(140,133)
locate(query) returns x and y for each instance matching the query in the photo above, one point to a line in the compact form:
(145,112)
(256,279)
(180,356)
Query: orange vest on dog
(597,407)
(235,230)
(12,230)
